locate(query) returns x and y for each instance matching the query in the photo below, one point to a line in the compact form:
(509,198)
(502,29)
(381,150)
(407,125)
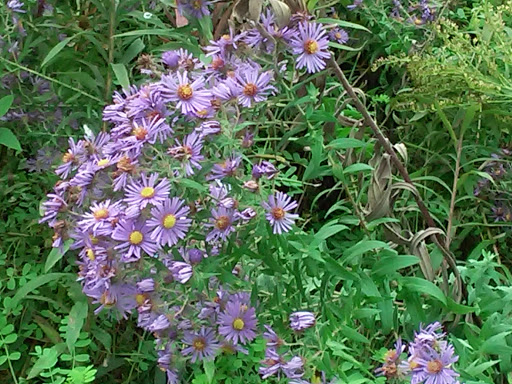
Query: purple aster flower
(208,128)
(171,59)
(193,255)
(72,159)
(338,35)
(146,285)
(139,195)
(392,367)
(159,323)
(271,365)
(222,222)
(238,322)
(302,320)
(225,169)
(247,214)
(426,337)
(278,215)
(501,212)
(117,296)
(189,153)
(190,97)
(169,221)
(311,45)
(102,218)
(135,238)
(202,344)
(434,367)
(254,87)
(52,207)
(15,6)
(227,90)
(181,271)
(294,369)
(272,339)
(225,45)
(194,8)
(265,168)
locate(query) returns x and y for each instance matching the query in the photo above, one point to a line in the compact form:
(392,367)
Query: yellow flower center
(413,364)
(90,254)
(140,133)
(199,344)
(169,221)
(434,366)
(196,4)
(278,213)
(147,192)
(101,213)
(136,237)
(250,89)
(222,222)
(94,240)
(185,92)
(68,157)
(140,298)
(311,46)
(226,37)
(238,324)
(102,162)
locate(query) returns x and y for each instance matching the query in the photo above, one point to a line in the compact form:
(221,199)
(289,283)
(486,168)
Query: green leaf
(358,167)
(344,47)
(15,356)
(121,75)
(34,284)
(46,361)
(338,270)
(342,23)
(9,339)
(7,329)
(55,255)
(209,369)
(55,50)
(362,247)
(416,284)
(459,308)
(346,143)
(8,139)
(391,264)
(76,321)
(5,104)
(353,334)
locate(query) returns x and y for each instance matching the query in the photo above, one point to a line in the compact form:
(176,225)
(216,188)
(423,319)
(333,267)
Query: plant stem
(454,193)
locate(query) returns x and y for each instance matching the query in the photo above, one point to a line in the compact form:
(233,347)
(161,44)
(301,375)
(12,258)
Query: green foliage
(361,258)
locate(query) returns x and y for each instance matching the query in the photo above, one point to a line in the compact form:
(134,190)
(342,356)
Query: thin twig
(449,234)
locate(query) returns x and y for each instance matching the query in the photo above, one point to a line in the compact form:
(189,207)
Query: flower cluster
(417,13)
(171,184)
(429,358)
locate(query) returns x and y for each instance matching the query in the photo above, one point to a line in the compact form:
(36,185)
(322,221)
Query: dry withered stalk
(384,142)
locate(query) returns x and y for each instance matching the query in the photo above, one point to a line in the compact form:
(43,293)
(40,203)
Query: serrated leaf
(5,104)
(8,139)
(76,320)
